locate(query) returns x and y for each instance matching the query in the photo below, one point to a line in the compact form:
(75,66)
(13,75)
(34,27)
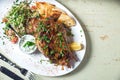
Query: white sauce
(27,49)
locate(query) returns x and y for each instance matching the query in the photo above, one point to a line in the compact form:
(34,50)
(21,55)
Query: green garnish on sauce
(28,44)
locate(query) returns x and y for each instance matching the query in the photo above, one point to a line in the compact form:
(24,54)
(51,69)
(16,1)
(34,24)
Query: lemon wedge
(76,46)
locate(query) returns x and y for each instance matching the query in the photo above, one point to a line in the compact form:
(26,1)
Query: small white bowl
(27,44)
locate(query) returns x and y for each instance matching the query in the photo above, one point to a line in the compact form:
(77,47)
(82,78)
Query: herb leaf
(28,44)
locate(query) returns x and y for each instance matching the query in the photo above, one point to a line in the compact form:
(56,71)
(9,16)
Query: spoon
(14,30)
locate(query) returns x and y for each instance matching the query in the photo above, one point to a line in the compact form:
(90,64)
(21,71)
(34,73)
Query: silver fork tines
(30,76)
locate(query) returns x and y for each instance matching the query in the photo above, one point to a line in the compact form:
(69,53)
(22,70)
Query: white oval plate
(38,63)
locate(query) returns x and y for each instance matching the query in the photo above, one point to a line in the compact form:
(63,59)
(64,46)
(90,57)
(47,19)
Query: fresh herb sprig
(28,44)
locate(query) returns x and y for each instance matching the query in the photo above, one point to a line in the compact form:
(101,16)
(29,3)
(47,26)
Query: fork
(23,71)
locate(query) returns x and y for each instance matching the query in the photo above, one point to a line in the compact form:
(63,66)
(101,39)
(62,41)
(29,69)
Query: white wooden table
(101,22)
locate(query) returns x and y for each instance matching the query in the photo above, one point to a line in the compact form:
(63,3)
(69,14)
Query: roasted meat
(52,42)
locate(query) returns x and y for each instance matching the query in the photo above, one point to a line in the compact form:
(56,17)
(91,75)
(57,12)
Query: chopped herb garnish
(61,54)
(16,0)
(18,16)
(50,61)
(39,38)
(28,44)
(41,61)
(60,43)
(42,27)
(3,43)
(80,30)
(45,47)
(35,15)
(52,52)
(4,36)
(48,41)
(59,34)
(47,18)
(46,38)
(65,46)
(67,60)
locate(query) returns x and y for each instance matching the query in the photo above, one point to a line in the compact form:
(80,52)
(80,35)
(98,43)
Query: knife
(10,73)
(2,57)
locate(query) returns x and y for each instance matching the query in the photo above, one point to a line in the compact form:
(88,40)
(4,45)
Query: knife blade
(10,73)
